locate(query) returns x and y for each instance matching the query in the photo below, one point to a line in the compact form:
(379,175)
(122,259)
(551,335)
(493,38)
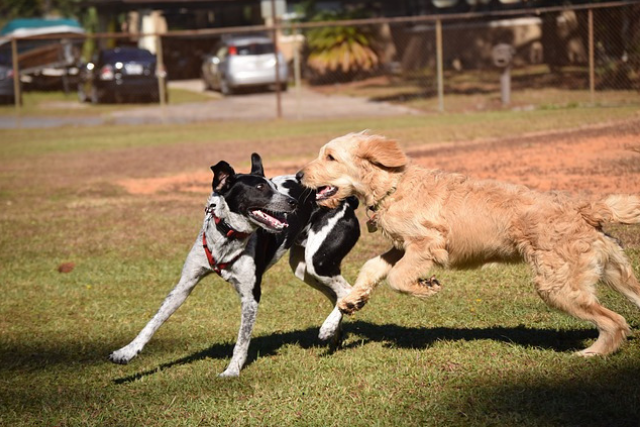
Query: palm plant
(342,51)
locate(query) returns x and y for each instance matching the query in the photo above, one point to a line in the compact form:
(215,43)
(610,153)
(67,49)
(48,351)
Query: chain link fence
(520,59)
(547,58)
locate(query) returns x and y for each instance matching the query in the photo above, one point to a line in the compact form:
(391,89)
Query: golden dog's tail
(618,209)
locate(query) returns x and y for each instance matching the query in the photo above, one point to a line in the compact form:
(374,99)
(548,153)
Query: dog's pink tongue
(274,222)
(323,191)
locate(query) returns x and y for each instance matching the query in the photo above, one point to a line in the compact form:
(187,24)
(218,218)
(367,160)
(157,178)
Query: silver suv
(243,62)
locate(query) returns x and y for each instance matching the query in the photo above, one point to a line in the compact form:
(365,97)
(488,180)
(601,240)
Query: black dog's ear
(256,165)
(222,174)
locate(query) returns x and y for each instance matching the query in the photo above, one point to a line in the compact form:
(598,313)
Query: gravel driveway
(305,104)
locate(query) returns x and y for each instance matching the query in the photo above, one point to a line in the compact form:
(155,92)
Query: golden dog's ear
(382,152)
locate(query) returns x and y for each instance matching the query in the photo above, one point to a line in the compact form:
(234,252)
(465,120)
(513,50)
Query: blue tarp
(37,23)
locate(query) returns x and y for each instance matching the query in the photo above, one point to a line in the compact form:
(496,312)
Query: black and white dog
(249,224)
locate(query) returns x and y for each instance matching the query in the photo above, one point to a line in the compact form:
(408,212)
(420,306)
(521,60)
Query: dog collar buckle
(372,220)
(372,212)
(374,208)
(226,229)
(372,223)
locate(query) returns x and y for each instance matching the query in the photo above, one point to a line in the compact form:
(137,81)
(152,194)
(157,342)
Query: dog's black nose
(300,175)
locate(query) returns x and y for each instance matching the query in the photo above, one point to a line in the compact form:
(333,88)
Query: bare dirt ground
(596,160)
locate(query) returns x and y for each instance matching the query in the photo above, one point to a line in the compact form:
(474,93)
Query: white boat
(46,47)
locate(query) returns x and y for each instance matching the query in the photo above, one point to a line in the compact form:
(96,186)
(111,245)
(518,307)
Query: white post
(505,86)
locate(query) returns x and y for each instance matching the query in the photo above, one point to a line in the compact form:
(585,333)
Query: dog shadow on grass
(391,335)
(594,395)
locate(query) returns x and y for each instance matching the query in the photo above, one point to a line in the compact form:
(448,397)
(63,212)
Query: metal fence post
(17,94)
(275,44)
(592,73)
(296,68)
(439,65)
(160,71)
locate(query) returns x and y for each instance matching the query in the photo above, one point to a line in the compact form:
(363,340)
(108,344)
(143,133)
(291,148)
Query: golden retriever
(450,220)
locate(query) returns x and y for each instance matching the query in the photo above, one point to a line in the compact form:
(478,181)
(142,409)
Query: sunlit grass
(409,129)
(484,351)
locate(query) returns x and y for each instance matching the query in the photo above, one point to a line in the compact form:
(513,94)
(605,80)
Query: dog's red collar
(226,229)
(228,232)
(222,225)
(215,266)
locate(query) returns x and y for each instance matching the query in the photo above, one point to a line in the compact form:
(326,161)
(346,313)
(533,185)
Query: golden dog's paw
(350,304)
(428,287)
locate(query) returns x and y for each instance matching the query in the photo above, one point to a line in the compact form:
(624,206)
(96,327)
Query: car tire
(225,88)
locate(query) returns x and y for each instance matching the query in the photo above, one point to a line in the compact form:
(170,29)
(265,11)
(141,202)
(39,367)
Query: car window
(255,49)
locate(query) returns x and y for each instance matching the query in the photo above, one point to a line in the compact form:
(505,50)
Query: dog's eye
(260,186)
(330,158)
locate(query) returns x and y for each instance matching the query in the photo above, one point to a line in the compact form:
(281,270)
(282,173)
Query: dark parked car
(7,92)
(243,62)
(119,74)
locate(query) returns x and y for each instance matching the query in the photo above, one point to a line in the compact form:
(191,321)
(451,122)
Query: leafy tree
(11,9)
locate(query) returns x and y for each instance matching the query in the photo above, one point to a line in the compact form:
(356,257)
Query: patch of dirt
(197,182)
(594,161)
(587,161)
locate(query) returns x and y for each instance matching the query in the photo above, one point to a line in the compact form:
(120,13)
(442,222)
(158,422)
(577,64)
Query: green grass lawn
(485,351)
(57,103)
